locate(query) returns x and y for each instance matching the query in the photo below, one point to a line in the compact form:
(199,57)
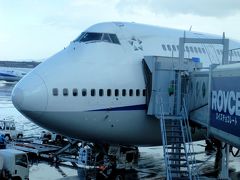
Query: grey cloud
(211,8)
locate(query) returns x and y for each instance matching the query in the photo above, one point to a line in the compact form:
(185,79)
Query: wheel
(7,137)
(58,138)
(16,178)
(119,177)
(19,136)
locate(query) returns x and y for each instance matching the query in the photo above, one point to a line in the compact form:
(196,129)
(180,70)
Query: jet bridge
(178,88)
(167,81)
(224,100)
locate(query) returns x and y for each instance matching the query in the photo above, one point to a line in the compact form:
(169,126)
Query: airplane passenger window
(199,50)
(114,38)
(130,92)
(169,47)
(109,92)
(65,92)
(187,49)
(106,38)
(55,92)
(101,93)
(116,92)
(75,92)
(178,47)
(144,92)
(164,47)
(174,48)
(84,92)
(92,92)
(203,50)
(124,92)
(191,49)
(137,92)
(195,49)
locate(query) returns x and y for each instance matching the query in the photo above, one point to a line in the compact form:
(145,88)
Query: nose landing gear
(106,161)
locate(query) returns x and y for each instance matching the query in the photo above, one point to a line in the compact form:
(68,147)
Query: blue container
(196,59)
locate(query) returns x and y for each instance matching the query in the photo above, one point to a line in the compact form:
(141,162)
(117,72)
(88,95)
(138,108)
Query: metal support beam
(223,41)
(224,163)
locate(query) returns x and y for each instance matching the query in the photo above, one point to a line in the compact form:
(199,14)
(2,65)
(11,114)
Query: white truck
(14,164)
(8,129)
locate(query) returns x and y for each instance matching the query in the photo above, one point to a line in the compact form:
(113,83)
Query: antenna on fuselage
(190,29)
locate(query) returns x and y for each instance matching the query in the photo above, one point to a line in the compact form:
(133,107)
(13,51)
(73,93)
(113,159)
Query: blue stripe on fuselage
(124,108)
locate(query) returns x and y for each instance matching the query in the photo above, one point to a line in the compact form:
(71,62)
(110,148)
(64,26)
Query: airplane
(94,89)
(12,74)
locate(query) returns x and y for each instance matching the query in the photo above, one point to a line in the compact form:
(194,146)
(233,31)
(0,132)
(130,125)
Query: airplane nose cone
(29,96)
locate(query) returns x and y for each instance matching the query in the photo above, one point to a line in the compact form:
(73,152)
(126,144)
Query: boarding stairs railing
(189,146)
(178,150)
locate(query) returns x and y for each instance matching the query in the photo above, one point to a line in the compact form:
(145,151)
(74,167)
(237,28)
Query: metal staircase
(177,147)
(176,138)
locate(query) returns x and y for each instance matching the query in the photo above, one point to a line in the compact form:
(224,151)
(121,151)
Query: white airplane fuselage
(53,94)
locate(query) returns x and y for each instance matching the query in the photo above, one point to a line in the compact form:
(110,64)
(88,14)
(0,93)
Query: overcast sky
(36,29)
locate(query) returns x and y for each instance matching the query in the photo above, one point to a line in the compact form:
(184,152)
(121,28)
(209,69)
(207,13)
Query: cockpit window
(103,37)
(90,37)
(106,38)
(114,38)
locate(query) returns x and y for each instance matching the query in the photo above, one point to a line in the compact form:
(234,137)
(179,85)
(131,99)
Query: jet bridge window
(187,49)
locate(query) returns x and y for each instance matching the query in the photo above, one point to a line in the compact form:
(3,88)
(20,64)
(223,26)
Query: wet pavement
(150,165)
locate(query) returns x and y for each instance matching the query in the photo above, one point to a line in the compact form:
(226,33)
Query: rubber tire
(7,137)
(19,136)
